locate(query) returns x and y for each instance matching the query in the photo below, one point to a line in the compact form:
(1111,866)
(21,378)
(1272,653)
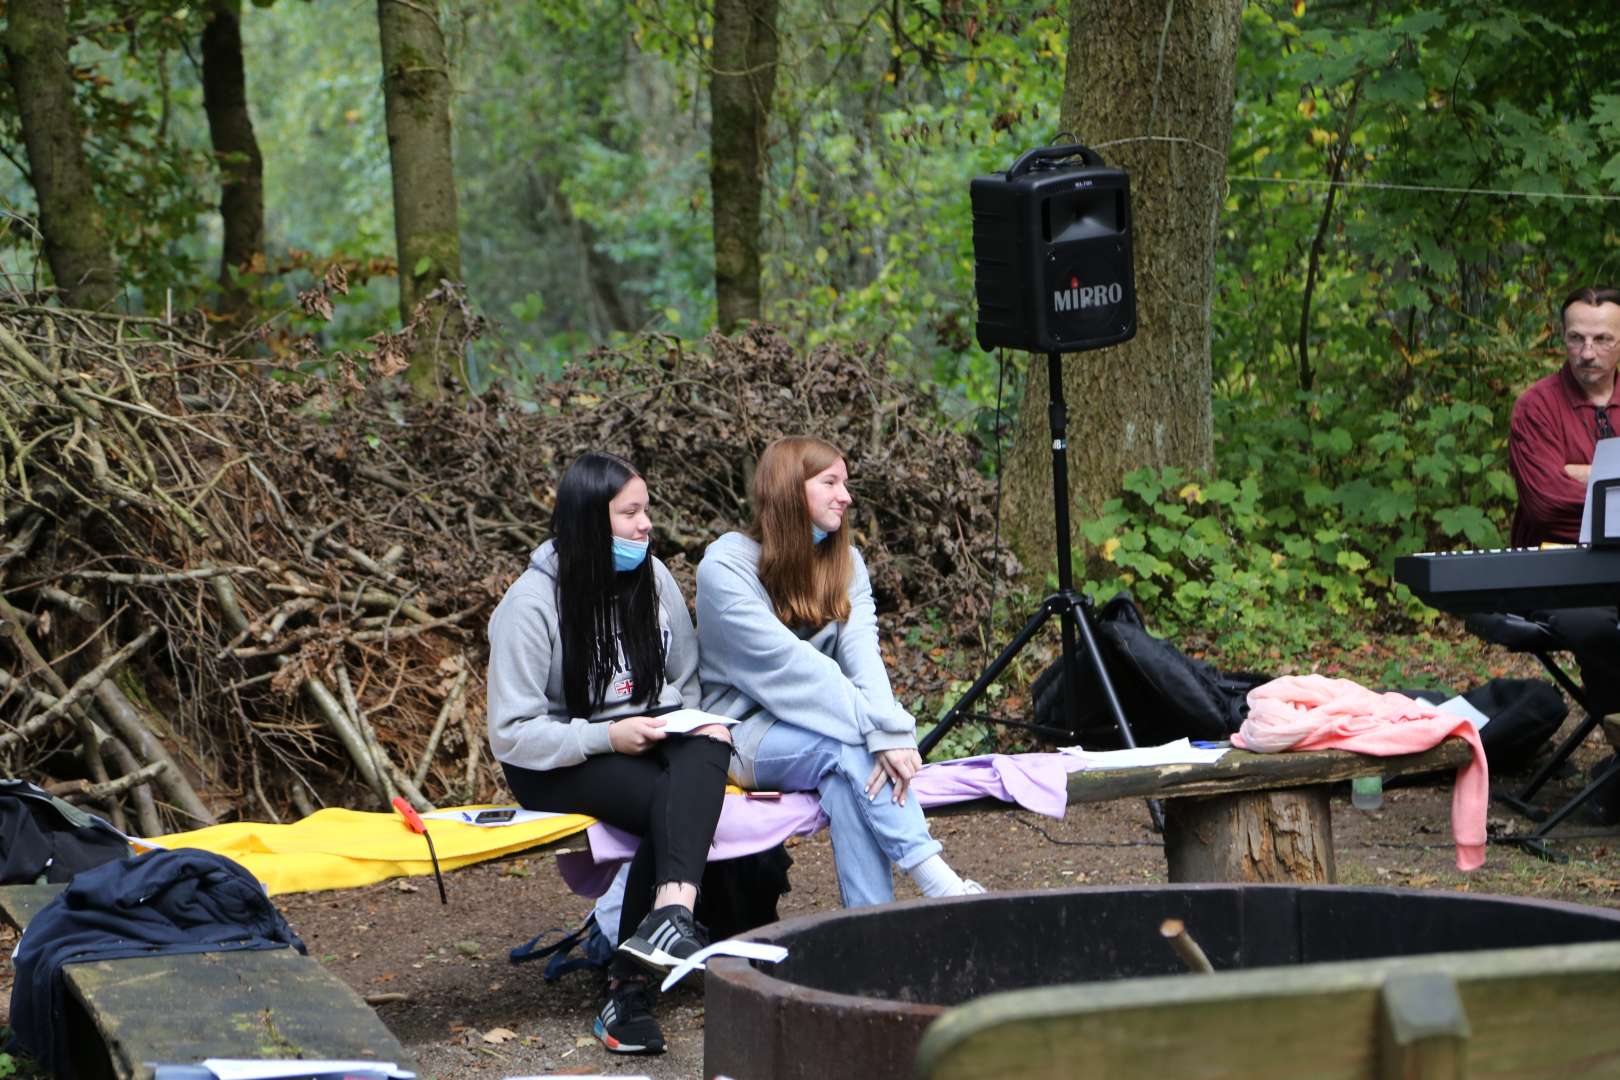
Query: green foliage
(19,1066)
(1421,278)
(139,111)
(1317,495)
(1297,537)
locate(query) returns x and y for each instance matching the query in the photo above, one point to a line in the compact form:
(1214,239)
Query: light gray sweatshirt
(529,722)
(830,680)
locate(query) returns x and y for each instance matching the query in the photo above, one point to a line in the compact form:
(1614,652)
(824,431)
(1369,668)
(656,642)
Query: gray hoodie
(529,724)
(830,680)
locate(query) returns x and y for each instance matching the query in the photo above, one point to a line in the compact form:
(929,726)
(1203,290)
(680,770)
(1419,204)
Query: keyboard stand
(1521,801)
(1536,842)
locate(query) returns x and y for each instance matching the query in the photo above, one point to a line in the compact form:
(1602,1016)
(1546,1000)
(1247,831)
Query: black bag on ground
(737,895)
(45,840)
(740,894)
(1523,715)
(1165,693)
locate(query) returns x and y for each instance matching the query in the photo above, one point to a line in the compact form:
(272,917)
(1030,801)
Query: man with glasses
(1558,421)
(1556,425)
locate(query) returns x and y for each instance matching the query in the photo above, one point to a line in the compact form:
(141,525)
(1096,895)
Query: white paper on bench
(465,817)
(1461,706)
(249,1069)
(748,950)
(1180,752)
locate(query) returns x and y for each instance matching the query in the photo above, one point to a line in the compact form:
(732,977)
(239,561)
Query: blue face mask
(817,533)
(628,554)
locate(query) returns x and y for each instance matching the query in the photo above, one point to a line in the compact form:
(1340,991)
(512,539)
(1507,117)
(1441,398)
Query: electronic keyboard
(1516,580)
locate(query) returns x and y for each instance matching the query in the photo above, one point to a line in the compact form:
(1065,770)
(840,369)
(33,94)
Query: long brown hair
(808,583)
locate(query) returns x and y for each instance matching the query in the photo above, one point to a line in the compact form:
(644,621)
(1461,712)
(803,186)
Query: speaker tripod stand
(1075,613)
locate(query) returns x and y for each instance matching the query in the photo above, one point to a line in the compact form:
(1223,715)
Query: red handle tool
(413,821)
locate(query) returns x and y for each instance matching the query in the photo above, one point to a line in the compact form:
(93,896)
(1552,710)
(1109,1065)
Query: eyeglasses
(1600,342)
(1604,431)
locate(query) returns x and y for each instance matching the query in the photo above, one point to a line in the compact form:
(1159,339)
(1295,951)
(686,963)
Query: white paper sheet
(466,817)
(748,950)
(248,1069)
(681,721)
(1605,466)
(1180,752)
(1461,706)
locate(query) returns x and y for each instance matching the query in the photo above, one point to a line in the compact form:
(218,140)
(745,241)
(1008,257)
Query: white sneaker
(971,888)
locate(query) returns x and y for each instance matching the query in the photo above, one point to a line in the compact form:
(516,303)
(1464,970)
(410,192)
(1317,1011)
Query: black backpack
(1524,715)
(1165,693)
(737,895)
(45,840)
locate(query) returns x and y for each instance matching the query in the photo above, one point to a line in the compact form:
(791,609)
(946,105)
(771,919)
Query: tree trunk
(742,78)
(416,94)
(1264,836)
(241,196)
(75,232)
(1150,84)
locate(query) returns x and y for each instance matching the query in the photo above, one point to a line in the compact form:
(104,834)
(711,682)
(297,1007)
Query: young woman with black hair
(587,645)
(790,648)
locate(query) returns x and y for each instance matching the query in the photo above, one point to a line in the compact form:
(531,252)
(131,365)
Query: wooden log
(1537,1014)
(1261,836)
(183,1008)
(1241,770)
(1424,1029)
(20,903)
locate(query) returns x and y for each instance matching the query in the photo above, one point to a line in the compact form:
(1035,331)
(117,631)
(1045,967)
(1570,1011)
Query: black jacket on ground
(181,901)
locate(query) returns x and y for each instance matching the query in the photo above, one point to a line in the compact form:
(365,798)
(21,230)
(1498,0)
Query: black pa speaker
(1052,253)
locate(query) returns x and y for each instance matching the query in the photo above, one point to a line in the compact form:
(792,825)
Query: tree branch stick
(450,699)
(33,367)
(81,791)
(90,734)
(313,688)
(126,719)
(1174,931)
(76,605)
(371,598)
(140,792)
(95,676)
(201,574)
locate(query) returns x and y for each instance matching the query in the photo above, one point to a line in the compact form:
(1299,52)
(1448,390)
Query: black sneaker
(626,1025)
(665,938)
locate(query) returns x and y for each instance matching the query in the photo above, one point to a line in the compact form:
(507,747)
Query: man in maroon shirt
(1553,435)
(1558,421)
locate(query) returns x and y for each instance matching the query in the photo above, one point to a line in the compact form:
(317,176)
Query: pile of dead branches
(228,589)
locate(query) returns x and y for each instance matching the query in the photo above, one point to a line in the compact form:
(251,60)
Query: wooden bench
(1247,817)
(126,1015)
(1531,1013)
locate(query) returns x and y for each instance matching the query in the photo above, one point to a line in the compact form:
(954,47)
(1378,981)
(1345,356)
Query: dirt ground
(446,988)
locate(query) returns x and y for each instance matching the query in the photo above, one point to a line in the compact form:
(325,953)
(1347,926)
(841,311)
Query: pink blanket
(1037,782)
(1312,712)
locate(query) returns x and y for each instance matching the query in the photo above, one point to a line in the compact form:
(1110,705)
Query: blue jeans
(867,835)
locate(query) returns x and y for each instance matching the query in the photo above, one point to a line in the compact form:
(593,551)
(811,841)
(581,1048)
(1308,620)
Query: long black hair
(601,611)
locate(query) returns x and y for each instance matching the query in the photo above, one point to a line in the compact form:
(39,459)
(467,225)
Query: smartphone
(764,794)
(490,817)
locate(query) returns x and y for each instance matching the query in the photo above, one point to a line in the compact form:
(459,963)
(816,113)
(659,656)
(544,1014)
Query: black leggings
(670,797)
(1591,635)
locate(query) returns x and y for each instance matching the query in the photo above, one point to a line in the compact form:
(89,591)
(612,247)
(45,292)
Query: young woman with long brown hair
(789,646)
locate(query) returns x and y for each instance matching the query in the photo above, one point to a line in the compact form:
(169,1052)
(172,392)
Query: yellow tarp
(341,849)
